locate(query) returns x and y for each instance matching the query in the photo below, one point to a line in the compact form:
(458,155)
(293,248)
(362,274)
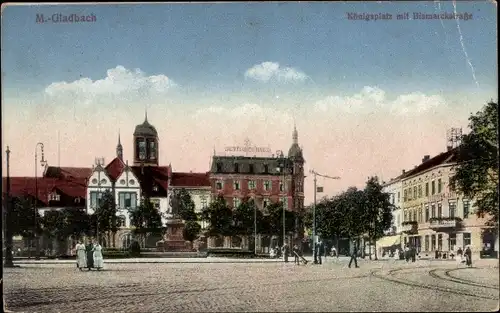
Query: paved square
(167,287)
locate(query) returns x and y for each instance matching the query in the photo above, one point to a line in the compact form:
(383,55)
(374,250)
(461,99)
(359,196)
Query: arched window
(122,221)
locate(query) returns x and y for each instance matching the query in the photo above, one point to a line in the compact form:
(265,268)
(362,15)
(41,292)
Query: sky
(367,97)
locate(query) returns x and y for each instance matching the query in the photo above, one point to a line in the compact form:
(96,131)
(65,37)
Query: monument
(174,239)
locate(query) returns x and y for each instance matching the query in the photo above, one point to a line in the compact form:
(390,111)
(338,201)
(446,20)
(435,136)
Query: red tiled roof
(67,172)
(25,186)
(115,168)
(150,176)
(190,180)
(442,158)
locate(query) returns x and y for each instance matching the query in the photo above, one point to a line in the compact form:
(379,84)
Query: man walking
(354,255)
(321,250)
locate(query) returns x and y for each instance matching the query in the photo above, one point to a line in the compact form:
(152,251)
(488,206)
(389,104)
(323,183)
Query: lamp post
(254,229)
(282,168)
(42,163)
(7,215)
(316,190)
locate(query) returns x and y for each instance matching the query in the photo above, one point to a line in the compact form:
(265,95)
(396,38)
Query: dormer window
(250,168)
(266,168)
(54,197)
(77,200)
(219,167)
(236,168)
(155,188)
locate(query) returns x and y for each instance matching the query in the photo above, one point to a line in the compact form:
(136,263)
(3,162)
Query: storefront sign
(248,148)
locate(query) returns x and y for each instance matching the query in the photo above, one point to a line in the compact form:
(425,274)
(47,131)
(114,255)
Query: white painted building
(393,188)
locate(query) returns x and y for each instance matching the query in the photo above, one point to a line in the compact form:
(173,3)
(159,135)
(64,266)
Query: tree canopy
(219,216)
(185,205)
(476,175)
(105,213)
(146,219)
(22,217)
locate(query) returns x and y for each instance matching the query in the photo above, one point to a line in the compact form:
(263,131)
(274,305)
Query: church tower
(297,160)
(145,144)
(119,149)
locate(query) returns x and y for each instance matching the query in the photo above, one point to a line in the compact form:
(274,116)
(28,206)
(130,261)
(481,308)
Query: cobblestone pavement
(166,287)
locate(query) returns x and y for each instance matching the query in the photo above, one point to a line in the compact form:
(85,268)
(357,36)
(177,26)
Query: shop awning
(388,241)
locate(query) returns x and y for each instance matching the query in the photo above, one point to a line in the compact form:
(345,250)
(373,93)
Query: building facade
(435,217)
(265,180)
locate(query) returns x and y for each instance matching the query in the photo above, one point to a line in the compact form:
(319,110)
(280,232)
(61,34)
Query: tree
(54,226)
(146,219)
(191,231)
(244,218)
(185,205)
(22,217)
(476,174)
(105,214)
(77,222)
(219,217)
(378,213)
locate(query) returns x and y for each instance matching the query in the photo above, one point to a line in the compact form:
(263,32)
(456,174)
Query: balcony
(444,222)
(409,227)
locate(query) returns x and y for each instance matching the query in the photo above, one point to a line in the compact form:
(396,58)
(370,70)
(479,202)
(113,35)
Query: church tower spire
(119,148)
(295,134)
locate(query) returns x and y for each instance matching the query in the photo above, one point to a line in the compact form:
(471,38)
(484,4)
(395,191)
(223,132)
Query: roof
(248,165)
(151,177)
(67,172)
(449,156)
(145,129)
(26,186)
(115,168)
(295,151)
(190,180)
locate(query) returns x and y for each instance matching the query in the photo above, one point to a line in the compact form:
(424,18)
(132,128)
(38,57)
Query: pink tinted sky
(368,132)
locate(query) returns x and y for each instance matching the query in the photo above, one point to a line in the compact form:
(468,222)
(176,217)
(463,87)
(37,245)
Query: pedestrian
(354,255)
(468,256)
(98,259)
(89,252)
(333,252)
(81,257)
(295,250)
(321,250)
(407,253)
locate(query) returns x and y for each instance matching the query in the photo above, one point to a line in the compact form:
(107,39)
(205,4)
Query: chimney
(403,171)
(426,158)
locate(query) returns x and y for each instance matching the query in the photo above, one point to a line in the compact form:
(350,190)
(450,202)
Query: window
(414,216)
(267,185)
(95,196)
(452,242)
(265,203)
(440,242)
(433,242)
(54,197)
(204,202)
(440,210)
(433,187)
(466,239)
(415,192)
(250,168)
(426,189)
(266,168)
(420,191)
(219,167)
(439,185)
(405,196)
(405,216)
(433,210)
(426,213)
(466,208)
(453,208)
(285,202)
(236,168)
(420,216)
(127,200)
(236,202)
(219,185)
(408,194)
(282,186)
(399,196)
(251,184)
(236,185)
(300,188)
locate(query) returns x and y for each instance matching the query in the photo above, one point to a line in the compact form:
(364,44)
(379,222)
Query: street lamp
(316,190)
(282,168)
(7,215)
(42,163)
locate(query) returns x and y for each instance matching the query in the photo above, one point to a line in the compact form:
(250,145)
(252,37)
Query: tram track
(390,278)
(462,281)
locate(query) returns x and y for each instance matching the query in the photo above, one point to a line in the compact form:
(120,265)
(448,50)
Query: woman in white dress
(98,259)
(81,257)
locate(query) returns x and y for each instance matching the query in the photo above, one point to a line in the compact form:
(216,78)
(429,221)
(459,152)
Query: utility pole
(7,216)
(316,190)
(35,234)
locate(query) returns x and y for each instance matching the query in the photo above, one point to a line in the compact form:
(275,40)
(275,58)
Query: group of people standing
(89,256)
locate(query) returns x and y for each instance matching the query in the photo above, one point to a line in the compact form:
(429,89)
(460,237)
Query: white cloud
(267,71)
(119,82)
(374,100)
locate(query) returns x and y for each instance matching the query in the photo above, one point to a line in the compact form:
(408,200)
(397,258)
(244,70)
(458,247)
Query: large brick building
(266,180)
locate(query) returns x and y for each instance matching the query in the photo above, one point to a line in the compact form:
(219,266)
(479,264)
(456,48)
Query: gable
(99,178)
(127,179)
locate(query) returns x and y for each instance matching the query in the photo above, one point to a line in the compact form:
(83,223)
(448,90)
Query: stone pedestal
(174,240)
